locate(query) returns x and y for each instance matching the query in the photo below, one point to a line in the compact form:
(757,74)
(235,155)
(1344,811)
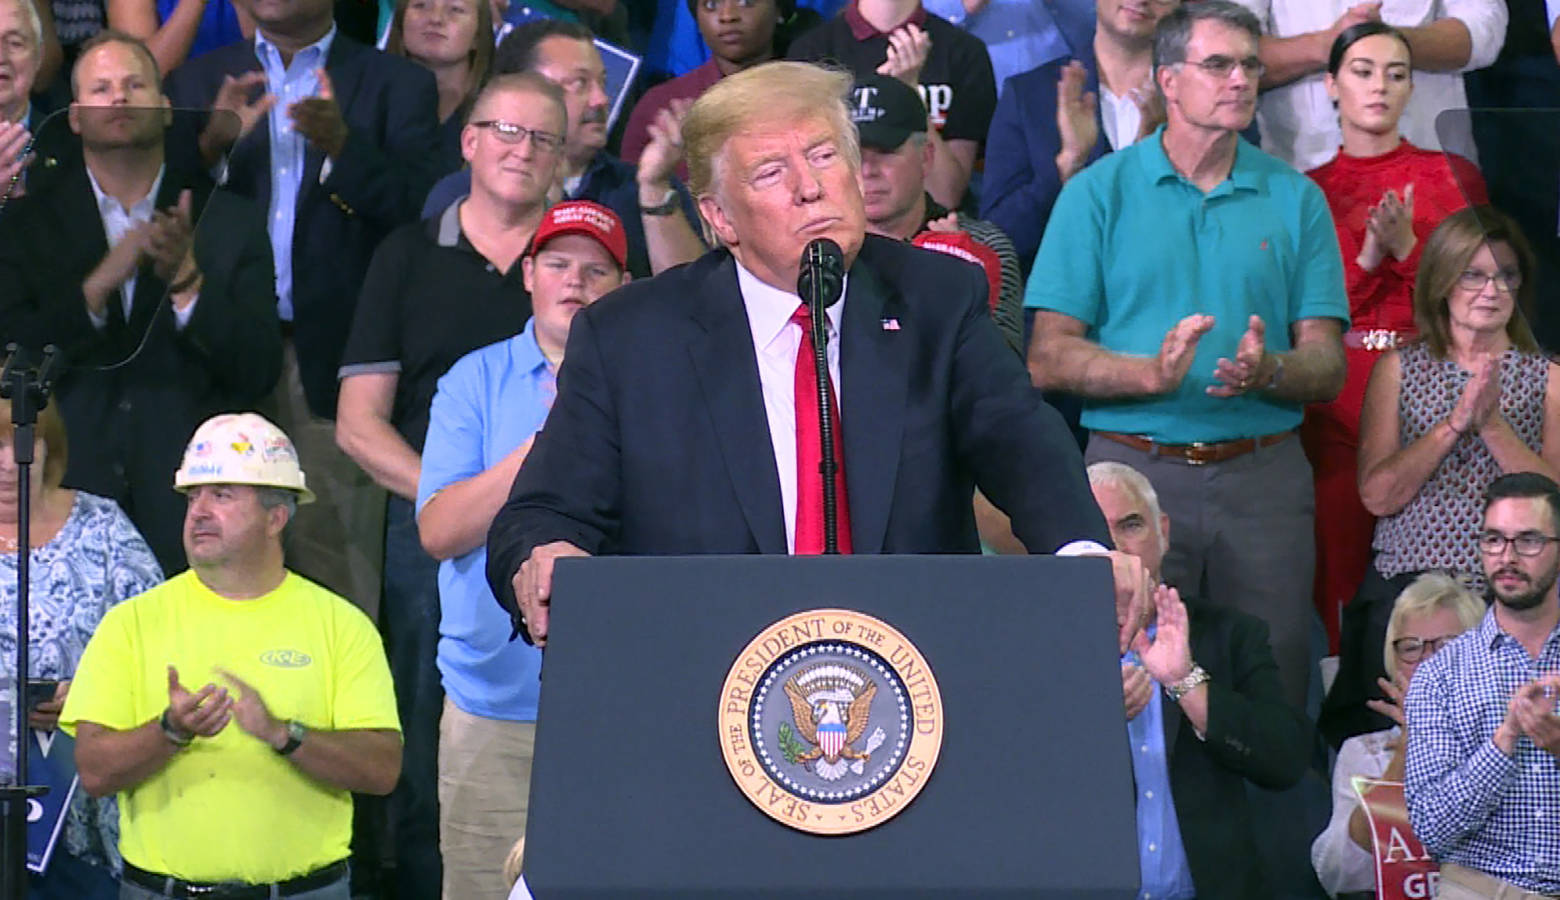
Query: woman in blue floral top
(85,557)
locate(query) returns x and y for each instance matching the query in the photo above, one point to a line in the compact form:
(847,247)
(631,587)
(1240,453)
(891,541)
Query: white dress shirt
(1298,122)
(1341,865)
(1121,117)
(777,340)
(118,222)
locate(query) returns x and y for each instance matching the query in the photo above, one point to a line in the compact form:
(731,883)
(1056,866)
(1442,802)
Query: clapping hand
(908,47)
(1392,707)
(14,138)
(662,154)
(252,715)
(1533,708)
(1237,376)
(1168,657)
(1136,688)
(168,244)
(204,712)
(1176,353)
(1480,398)
(240,105)
(319,118)
(1391,223)
(1077,119)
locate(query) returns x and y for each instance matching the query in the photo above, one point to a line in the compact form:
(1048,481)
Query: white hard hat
(242,448)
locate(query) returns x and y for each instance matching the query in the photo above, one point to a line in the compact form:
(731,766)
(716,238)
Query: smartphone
(40,690)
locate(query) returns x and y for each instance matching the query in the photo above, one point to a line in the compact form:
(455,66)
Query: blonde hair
(1447,253)
(774,91)
(1428,593)
(51,430)
(513,861)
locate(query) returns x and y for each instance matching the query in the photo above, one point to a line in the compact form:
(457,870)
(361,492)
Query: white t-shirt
(1298,122)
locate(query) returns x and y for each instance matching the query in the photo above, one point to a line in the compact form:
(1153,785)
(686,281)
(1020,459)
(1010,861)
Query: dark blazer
(1253,735)
(1021,182)
(658,442)
(128,425)
(390,161)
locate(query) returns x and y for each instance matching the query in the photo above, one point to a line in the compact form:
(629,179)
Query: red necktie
(809,452)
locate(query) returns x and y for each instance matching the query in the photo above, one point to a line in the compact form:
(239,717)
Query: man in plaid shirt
(1483,774)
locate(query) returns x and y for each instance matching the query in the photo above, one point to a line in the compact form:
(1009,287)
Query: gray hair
(30,13)
(272,497)
(1120,475)
(1175,30)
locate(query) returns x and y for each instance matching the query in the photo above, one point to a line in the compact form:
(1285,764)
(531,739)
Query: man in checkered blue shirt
(1483,773)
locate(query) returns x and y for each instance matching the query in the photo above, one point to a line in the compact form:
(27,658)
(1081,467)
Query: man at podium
(686,417)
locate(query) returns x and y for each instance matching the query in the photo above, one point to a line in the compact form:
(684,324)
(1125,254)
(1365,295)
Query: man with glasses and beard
(1483,771)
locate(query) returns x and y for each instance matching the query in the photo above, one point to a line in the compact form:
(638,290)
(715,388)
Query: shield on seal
(831,739)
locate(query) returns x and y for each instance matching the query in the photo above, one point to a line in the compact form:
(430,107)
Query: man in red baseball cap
(579,253)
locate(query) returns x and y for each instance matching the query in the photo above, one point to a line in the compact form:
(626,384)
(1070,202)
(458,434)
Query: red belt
(1200,453)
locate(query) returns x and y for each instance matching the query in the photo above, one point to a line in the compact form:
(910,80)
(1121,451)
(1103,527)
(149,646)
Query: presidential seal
(830,721)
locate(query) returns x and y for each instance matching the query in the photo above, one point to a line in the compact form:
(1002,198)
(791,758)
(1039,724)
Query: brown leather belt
(1198,454)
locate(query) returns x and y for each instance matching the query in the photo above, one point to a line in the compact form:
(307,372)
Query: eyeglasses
(1528,543)
(713,5)
(1474,280)
(510,133)
(1220,66)
(1412,649)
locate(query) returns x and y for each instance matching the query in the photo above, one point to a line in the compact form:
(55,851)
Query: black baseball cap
(886,111)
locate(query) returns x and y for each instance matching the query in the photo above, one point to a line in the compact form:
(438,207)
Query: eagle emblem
(831,705)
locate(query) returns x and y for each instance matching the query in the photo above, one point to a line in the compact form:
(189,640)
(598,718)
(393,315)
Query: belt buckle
(1193,453)
(1380,339)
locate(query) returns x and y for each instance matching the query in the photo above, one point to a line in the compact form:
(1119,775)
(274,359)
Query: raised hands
(170,241)
(202,713)
(1168,657)
(1077,120)
(319,118)
(1392,707)
(1354,15)
(1176,353)
(1241,374)
(1533,708)
(664,152)
(908,47)
(240,105)
(1480,398)
(1389,226)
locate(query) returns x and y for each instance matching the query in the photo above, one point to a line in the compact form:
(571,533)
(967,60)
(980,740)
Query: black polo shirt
(429,298)
(957,84)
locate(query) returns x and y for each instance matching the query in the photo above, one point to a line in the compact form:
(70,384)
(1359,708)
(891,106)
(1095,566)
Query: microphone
(821,280)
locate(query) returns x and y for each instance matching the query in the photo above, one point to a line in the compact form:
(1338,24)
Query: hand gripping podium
(698,712)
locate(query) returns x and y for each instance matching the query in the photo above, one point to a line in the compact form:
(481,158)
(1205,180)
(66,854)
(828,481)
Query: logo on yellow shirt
(286,659)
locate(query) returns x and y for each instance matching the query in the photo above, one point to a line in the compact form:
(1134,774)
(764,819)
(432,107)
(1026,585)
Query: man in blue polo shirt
(488,407)
(1191,290)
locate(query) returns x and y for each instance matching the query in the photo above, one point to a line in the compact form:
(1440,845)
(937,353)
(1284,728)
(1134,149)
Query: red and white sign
(1404,869)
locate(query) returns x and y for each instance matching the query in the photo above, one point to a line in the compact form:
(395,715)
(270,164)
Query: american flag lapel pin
(891,323)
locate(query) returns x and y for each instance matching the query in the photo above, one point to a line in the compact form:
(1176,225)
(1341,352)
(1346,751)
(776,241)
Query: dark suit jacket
(658,442)
(128,425)
(1253,735)
(390,161)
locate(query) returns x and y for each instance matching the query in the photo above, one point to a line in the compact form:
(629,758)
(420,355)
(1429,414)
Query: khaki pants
(484,791)
(1460,883)
(338,540)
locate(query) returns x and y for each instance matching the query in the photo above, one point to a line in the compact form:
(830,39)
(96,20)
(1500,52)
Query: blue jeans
(409,617)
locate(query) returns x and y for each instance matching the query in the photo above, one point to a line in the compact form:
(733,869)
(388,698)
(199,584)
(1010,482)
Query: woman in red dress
(1386,196)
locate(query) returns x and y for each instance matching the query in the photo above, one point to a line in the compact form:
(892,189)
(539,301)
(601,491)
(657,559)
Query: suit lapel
(873,368)
(727,368)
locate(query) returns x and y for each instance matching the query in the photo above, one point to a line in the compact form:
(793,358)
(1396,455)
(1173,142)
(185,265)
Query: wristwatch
(174,735)
(1278,372)
(1198,675)
(295,733)
(666,207)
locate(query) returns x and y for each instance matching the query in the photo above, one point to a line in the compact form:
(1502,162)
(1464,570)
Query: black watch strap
(174,735)
(295,733)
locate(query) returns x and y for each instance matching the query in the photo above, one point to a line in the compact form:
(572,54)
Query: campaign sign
(621,65)
(51,761)
(1404,869)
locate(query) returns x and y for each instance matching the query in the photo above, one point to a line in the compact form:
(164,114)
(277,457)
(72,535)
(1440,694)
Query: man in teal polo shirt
(1191,290)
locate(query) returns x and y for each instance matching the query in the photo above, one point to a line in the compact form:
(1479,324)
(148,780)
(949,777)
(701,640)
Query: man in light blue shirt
(1205,714)
(1190,289)
(487,410)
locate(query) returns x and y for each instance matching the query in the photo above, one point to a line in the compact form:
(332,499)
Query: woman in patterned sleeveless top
(1444,415)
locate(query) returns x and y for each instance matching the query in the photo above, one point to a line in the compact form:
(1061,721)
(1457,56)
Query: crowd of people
(1252,268)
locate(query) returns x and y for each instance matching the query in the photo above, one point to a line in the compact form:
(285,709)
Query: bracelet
(666,207)
(1197,676)
(175,736)
(1278,371)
